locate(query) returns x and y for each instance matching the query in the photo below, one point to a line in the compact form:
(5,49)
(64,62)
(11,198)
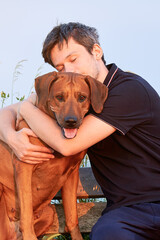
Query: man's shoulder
(131,83)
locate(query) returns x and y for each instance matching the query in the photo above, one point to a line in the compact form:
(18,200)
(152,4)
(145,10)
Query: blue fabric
(136,222)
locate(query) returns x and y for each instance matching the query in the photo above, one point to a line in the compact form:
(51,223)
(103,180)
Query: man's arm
(7,121)
(90,132)
(19,140)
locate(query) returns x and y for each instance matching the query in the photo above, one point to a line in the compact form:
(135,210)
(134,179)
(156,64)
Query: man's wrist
(23,107)
(9,137)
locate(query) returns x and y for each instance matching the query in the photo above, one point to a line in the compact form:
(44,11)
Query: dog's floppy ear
(42,87)
(99,93)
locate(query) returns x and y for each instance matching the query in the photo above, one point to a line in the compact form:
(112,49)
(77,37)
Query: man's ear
(99,93)
(97,51)
(42,86)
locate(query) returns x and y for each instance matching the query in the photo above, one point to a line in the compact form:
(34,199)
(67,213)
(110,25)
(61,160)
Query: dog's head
(67,98)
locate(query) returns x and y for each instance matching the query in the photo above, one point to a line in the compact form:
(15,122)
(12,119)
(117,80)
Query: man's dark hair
(82,34)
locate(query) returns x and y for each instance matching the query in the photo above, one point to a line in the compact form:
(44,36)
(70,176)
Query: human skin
(72,57)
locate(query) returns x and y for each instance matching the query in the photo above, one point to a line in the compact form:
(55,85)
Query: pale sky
(129,35)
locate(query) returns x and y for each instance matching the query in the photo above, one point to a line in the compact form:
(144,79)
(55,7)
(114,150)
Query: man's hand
(27,152)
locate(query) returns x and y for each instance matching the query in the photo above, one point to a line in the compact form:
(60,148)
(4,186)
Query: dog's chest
(48,178)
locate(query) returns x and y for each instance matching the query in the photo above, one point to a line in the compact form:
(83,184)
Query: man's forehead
(67,48)
(65,45)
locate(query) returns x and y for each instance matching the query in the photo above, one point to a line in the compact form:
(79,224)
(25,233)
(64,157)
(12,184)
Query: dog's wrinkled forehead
(68,79)
(70,76)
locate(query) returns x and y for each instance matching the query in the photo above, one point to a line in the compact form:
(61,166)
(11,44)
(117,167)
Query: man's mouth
(70,132)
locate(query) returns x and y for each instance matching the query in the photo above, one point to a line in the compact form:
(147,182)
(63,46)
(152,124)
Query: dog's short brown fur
(26,190)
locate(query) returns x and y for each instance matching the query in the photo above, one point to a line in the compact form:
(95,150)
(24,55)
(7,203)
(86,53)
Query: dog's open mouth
(70,132)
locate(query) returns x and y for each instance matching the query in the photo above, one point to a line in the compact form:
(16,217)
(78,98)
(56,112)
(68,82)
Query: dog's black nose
(70,121)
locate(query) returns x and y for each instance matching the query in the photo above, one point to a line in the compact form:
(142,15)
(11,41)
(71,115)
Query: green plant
(62,237)
(53,236)
(20,99)
(16,74)
(38,73)
(85,162)
(4,97)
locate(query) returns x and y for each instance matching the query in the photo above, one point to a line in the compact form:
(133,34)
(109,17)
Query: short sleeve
(127,106)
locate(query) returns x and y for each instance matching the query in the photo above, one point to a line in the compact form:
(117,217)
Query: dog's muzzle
(70,127)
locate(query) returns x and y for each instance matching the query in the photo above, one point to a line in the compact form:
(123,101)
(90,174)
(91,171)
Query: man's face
(73,57)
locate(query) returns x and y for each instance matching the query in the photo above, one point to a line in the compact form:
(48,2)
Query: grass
(4,97)
(16,74)
(16,77)
(62,237)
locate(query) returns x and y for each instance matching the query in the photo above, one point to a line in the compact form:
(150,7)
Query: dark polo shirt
(127,163)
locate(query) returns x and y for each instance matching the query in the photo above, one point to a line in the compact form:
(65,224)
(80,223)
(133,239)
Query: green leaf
(52,236)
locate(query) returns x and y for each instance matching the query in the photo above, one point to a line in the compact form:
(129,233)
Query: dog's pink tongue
(70,133)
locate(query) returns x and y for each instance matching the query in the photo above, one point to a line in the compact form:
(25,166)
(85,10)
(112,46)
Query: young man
(123,141)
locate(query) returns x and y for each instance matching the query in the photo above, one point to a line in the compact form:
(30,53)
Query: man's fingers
(37,148)
(28,152)
(41,155)
(29,132)
(41,149)
(17,123)
(36,158)
(36,154)
(31,161)
(33,147)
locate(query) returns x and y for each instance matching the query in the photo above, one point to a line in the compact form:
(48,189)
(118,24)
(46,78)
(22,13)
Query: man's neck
(102,73)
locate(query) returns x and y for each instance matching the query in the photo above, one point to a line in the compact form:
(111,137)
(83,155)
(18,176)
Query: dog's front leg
(23,179)
(69,197)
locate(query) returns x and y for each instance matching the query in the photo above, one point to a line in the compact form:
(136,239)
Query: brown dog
(26,190)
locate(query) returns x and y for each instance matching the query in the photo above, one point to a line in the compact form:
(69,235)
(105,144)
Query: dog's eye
(60,98)
(81,98)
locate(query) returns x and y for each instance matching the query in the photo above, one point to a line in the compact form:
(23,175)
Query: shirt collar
(112,71)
